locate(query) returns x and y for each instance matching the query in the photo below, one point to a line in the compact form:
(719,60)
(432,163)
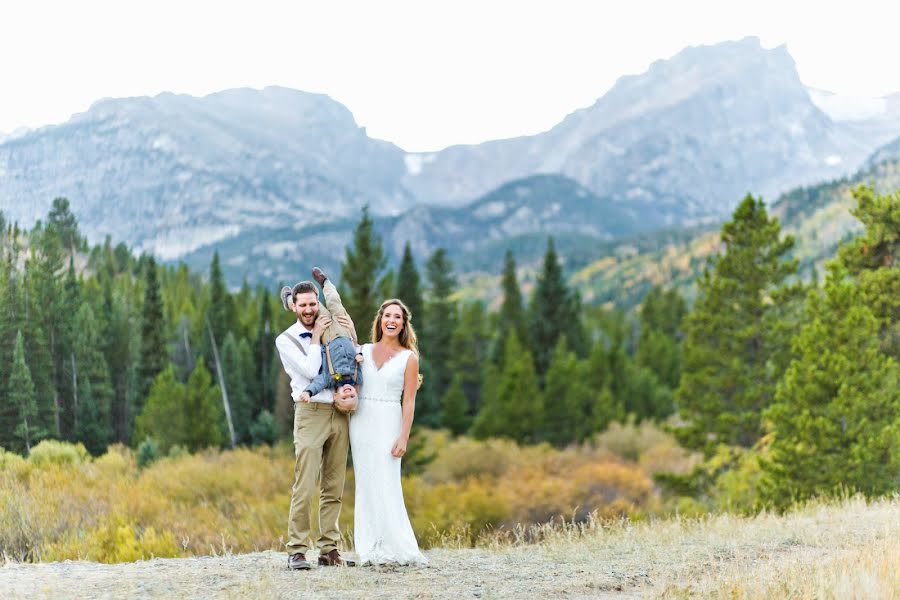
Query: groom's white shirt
(301,368)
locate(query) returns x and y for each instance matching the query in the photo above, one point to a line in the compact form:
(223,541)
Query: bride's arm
(410,383)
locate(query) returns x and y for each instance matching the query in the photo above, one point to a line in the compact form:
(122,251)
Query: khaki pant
(321,441)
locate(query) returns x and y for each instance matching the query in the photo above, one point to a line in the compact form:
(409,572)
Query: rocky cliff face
(250,171)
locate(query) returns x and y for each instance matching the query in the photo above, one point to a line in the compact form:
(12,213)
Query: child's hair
(304,287)
(408,337)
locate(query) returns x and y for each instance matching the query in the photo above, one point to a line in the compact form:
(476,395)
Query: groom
(321,434)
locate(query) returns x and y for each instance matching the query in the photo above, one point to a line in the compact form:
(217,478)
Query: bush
(148,452)
(264,430)
(9,459)
(58,453)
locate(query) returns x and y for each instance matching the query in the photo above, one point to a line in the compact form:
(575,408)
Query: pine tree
(517,409)
(90,429)
(21,395)
(512,311)
(220,307)
(469,355)
(64,224)
(163,417)
(566,394)
(604,407)
(202,412)
(737,344)
(408,286)
(453,407)
(659,347)
(92,373)
(835,421)
(873,260)
(836,417)
(438,331)
(361,273)
(237,363)
(264,347)
(554,311)
(153,355)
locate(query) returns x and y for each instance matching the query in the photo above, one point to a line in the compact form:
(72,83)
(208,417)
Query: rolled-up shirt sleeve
(298,366)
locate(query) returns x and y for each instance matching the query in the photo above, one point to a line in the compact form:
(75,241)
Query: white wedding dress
(382,533)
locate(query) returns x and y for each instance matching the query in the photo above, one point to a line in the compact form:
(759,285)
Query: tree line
(100,346)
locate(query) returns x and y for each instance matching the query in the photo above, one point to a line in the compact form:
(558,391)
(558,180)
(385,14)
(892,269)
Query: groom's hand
(348,324)
(319,328)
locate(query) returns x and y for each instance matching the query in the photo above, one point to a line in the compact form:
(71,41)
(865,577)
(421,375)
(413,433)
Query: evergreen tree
(153,355)
(220,307)
(408,286)
(363,266)
(737,343)
(264,348)
(566,394)
(438,331)
(43,311)
(554,311)
(469,355)
(202,412)
(162,418)
(873,261)
(835,421)
(604,407)
(90,429)
(237,364)
(512,310)
(453,407)
(517,409)
(91,373)
(21,395)
(836,417)
(659,347)
(64,224)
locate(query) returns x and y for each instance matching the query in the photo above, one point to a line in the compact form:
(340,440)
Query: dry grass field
(849,549)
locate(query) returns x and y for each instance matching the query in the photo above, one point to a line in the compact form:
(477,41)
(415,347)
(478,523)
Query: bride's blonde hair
(407,336)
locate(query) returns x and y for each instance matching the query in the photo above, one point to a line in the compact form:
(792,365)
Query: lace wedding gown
(382,533)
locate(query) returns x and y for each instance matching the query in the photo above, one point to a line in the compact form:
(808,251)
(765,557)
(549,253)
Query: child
(340,355)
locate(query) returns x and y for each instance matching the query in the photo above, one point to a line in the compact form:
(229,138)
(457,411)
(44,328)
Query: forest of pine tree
(100,346)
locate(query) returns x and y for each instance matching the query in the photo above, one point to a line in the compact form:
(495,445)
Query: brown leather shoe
(319,275)
(333,559)
(297,562)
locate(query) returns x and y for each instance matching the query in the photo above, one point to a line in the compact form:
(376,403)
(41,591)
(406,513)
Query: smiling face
(392,321)
(306,307)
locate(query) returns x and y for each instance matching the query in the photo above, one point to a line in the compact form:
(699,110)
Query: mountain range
(252,173)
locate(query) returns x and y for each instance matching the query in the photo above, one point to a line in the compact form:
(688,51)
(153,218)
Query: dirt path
(851,550)
(451,574)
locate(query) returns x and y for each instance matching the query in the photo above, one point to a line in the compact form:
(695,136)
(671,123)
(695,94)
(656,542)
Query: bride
(379,433)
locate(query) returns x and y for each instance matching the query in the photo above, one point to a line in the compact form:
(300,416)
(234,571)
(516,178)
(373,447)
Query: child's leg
(333,299)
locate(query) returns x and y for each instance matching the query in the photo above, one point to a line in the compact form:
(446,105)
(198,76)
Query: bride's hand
(399,448)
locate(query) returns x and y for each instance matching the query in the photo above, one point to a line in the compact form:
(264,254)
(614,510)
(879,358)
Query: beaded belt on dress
(380,399)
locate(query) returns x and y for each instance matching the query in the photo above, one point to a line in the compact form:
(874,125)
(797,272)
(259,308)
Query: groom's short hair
(304,287)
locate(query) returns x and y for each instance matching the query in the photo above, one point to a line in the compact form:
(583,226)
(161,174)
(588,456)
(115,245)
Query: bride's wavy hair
(407,338)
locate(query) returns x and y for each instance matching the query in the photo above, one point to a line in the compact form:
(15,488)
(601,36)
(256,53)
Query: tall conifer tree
(21,395)
(153,355)
(737,343)
(362,273)
(408,285)
(512,309)
(436,351)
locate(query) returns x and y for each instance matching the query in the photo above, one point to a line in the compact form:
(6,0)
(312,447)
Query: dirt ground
(845,551)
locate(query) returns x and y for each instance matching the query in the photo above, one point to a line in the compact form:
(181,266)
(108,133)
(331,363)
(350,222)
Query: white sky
(423,74)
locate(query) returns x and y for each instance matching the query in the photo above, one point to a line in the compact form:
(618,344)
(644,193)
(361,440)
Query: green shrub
(58,453)
(148,452)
